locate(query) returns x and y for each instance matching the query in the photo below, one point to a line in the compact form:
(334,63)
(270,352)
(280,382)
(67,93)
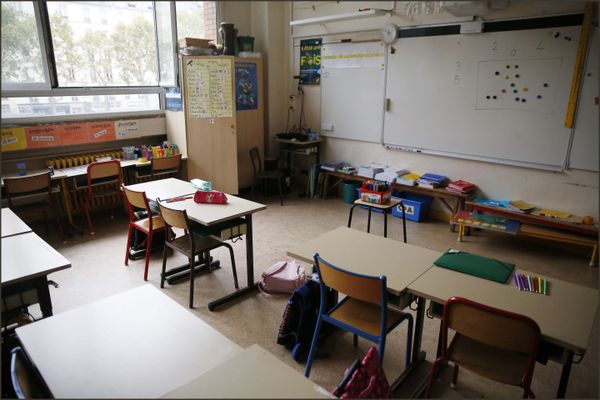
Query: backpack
(300,318)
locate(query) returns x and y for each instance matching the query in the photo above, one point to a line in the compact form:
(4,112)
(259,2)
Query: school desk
(303,148)
(252,374)
(12,224)
(26,262)
(212,216)
(136,344)
(565,316)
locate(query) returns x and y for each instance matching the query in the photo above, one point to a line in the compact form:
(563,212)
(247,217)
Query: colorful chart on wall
(246,86)
(102,131)
(310,61)
(42,136)
(13,139)
(209,88)
(74,134)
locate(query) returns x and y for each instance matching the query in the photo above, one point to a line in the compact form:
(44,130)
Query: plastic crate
(377,210)
(416,206)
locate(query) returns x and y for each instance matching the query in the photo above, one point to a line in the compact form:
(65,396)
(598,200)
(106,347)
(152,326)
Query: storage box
(371,196)
(185,42)
(377,210)
(416,206)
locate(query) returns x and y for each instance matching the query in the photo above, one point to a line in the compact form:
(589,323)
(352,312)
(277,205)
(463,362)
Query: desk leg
(403,221)
(418,336)
(369,221)
(325,185)
(350,216)
(564,376)
(252,286)
(385,213)
(67,205)
(44,296)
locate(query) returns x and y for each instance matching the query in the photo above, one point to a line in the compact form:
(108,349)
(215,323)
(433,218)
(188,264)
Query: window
(22,63)
(108,57)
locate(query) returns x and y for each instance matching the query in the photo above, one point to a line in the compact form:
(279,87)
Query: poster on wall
(42,136)
(209,88)
(246,86)
(73,134)
(127,128)
(13,139)
(102,131)
(310,61)
(173,99)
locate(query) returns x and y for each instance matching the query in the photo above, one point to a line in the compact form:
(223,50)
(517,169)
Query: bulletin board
(493,96)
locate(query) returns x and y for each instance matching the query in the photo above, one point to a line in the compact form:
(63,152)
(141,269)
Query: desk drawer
(400,302)
(232,232)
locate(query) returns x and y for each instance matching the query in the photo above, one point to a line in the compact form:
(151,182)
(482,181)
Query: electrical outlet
(293,99)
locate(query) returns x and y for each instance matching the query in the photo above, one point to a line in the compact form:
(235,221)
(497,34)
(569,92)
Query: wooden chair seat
(364,315)
(488,361)
(183,244)
(144,224)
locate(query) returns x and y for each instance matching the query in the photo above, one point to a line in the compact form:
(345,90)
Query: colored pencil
(516,280)
(545,286)
(540,283)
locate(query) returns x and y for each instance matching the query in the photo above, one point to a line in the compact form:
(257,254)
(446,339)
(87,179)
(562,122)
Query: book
(408,179)
(521,206)
(432,181)
(332,166)
(460,186)
(554,213)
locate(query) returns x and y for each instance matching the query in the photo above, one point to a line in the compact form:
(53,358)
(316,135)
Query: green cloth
(472,264)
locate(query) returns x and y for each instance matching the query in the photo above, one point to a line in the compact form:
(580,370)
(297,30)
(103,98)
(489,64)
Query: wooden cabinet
(224,118)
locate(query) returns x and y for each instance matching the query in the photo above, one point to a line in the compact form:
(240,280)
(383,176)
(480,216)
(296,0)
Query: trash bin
(349,191)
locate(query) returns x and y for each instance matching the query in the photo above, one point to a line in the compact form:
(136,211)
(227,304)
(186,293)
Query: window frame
(50,88)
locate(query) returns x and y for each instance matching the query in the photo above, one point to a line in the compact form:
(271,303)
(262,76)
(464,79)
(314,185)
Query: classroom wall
(575,191)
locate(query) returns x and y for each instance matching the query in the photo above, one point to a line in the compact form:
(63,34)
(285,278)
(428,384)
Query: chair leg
(235,279)
(454,375)
(313,347)
(355,340)
(432,375)
(54,210)
(191,260)
(129,235)
(409,340)
(164,266)
(86,211)
(207,260)
(148,250)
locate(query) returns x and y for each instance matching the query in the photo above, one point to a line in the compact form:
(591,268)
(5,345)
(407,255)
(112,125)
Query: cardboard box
(185,42)
(371,196)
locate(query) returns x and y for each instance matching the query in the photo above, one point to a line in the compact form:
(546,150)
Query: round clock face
(389,33)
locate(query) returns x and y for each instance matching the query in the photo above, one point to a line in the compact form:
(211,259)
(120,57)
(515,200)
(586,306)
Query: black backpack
(300,318)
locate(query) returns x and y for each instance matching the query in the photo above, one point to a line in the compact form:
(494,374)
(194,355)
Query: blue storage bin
(416,206)
(377,210)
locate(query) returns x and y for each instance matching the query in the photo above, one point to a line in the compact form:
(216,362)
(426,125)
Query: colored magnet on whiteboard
(506,77)
(495,97)
(517,99)
(525,89)
(497,73)
(512,85)
(515,91)
(517,76)
(503,90)
(539,96)
(487,97)
(523,100)
(545,85)
(508,66)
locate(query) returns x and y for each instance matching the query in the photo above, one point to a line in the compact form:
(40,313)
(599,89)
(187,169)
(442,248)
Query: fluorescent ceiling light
(371,12)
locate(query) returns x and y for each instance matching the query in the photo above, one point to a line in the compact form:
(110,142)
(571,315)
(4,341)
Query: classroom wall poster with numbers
(310,61)
(209,88)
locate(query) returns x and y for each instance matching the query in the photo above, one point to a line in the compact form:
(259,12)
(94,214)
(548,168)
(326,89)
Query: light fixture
(370,12)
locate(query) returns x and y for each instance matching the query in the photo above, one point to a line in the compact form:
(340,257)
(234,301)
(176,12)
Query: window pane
(104,43)
(165,43)
(21,52)
(196,19)
(27,107)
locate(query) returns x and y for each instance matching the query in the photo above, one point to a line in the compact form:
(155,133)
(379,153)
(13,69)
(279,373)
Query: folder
(472,264)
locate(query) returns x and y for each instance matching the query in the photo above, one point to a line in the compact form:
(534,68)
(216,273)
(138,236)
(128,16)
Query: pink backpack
(283,277)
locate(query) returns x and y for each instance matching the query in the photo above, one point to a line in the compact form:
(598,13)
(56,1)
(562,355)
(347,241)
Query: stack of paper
(432,180)
(408,179)
(346,169)
(332,166)
(521,206)
(390,174)
(369,171)
(460,186)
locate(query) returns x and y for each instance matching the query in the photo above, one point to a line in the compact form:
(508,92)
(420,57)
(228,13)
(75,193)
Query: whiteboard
(352,90)
(584,150)
(497,96)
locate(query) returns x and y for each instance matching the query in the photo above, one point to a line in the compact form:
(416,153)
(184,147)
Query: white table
(135,344)
(209,215)
(26,262)
(12,224)
(253,373)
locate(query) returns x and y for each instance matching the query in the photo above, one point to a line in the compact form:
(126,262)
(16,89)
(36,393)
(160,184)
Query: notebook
(472,264)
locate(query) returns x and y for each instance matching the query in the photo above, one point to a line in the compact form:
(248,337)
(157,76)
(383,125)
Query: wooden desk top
(565,316)
(298,142)
(164,188)
(27,256)
(369,254)
(253,373)
(57,174)
(391,204)
(210,214)
(139,343)
(12,224)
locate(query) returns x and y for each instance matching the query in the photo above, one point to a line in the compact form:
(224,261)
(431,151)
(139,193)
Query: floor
(98,271)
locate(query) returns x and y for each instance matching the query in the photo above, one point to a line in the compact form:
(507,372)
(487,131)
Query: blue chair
(26,382)
(364,311)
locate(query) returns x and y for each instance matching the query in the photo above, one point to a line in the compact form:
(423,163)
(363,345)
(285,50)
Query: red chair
(493,343)
(104,179)
(148,225)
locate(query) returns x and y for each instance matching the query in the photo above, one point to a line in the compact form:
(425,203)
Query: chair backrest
(27,185)
(499,328)
(174,218)
(367,288)
(255,158)
(138,200)
(26,382)
(105,169)
(166,163)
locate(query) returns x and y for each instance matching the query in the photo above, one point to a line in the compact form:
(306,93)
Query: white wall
(574,191)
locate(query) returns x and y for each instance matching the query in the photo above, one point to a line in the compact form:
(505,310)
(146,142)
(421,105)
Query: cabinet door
(209,106)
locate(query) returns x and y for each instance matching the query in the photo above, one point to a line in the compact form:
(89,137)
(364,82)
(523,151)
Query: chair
(29,186)
(27,384)
(104,179)
(261,175)
(147,225)
(190,244)
(492,343)
(160,168)
(364,311)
